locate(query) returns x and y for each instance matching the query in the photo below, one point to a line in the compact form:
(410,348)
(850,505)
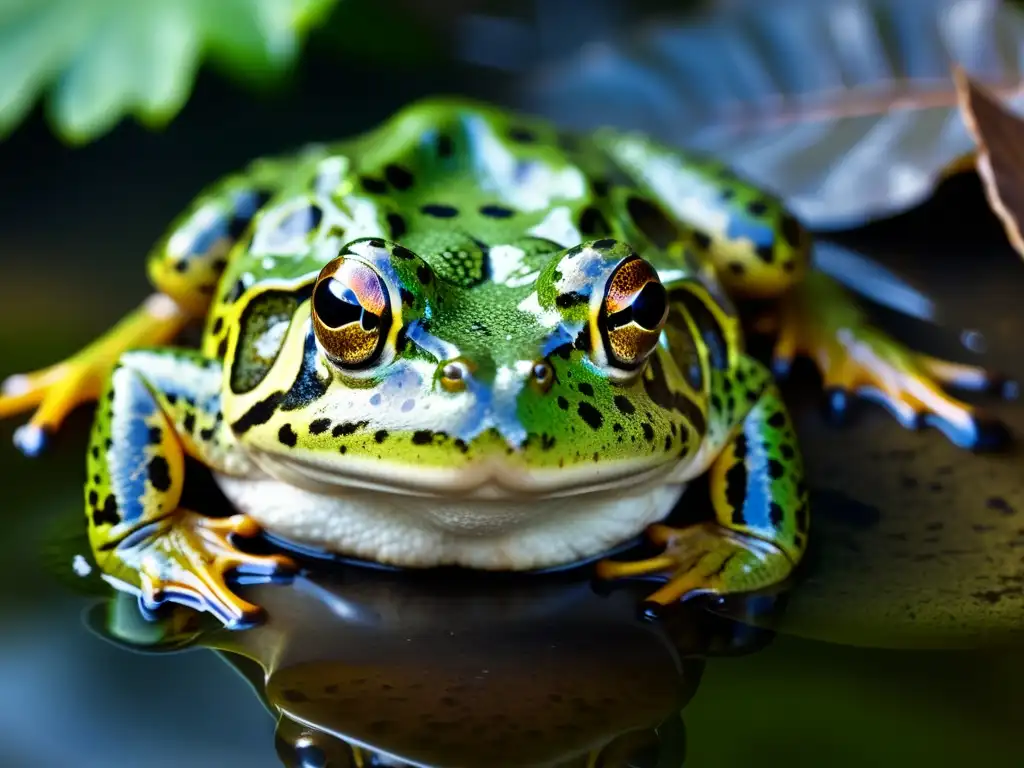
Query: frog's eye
(351,313)
(632,314)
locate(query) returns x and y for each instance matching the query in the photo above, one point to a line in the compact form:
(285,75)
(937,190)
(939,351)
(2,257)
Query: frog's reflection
(366,668)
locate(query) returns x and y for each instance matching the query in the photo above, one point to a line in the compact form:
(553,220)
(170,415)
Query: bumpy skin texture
(532,310)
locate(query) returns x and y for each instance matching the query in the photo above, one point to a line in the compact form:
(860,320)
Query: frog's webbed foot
(185,558)
(821,321)
(704,559)
(57,390)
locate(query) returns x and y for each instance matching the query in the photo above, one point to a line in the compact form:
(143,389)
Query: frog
(466,337)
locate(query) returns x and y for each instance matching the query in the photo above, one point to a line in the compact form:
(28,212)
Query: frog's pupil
(369,321)
(649,306)
(336,305)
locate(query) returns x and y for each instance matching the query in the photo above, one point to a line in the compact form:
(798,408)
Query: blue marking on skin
(131,443)
(741,227)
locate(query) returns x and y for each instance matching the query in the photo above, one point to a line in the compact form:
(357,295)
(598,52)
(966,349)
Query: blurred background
(115,113)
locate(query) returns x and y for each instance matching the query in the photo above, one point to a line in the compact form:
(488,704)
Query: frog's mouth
(483,479)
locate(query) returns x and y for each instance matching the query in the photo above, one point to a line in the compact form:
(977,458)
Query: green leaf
(101,60)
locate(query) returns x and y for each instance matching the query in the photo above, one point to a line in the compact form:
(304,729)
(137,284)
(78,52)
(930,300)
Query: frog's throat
(416,531)
(482,480)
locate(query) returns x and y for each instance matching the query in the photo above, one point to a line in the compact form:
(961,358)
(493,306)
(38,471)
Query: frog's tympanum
(467,339)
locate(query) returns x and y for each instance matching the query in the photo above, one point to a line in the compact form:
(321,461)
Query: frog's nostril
(454,375)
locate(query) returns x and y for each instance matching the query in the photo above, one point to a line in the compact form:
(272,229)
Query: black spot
(319,426)
(787,451)
(206,434)
(408,299)
(571,299)
(777,420)
(422,437)
(445,145)
(94,498)
(775,514)
(397,226)
(159,473)
(737,268)
(601,187)
(652,222)
(222,349)
(604,245)
(668,442)
(156,434)
(423,273)
(703,240)
(398,177)
(522,135)
(461,445)
(563,403)
(736,490)
(287,436)
(757,207)
(374,186)
(586,389)
(766,253)
(401,252)
(648,432)
(381,435)
(439,211)
(107,515)
(590,414)
(348,428)
(497,211)
(1001,505)
(189,423)
(625,405)
(375,242)
(802,517)
(171,398)
(792,231)
(218,326)
(593,223)
(775,468)
(95,451)
(547,442)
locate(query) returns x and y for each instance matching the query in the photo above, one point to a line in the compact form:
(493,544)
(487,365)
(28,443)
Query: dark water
(903,646)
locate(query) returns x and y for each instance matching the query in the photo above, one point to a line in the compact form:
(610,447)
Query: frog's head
(556,372)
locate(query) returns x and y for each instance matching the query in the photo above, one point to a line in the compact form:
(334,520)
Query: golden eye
(633,313)
(351,313)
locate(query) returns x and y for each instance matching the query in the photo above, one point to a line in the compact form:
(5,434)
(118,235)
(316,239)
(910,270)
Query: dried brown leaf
(999,134)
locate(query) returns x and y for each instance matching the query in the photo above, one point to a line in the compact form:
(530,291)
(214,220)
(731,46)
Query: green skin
(494,209)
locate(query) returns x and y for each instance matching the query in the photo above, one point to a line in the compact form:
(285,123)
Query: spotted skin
(457,290)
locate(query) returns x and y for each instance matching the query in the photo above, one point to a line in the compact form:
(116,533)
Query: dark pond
(902,646)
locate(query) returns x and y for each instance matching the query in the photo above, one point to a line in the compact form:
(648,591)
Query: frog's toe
(856,360)
(31,440)
(187,558)
(704,559)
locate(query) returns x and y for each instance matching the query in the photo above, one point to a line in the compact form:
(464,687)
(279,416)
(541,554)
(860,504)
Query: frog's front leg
(761,508)
(185,268)
(160,406)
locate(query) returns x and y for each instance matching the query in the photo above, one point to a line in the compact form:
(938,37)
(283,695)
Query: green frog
(467,338)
